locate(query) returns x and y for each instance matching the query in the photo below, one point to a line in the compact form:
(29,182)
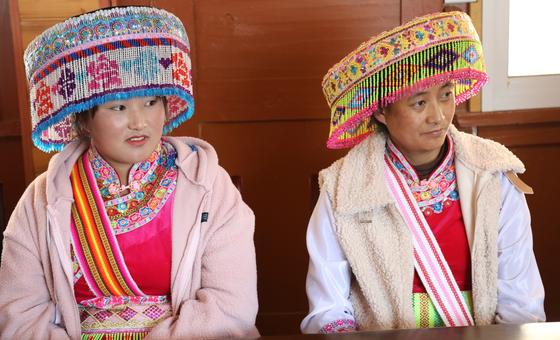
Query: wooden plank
(248,39)
(8,94)
(261,100)
(265,60)
(23,106)
(499,118)
(541,162)
(414,8)
(523,135)
(10,128)
(276,161)
(55,9)
(12,174)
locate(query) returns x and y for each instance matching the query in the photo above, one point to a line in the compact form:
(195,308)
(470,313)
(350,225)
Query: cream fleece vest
(376,241)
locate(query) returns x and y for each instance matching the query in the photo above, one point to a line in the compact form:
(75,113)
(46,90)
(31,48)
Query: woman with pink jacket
(128,234)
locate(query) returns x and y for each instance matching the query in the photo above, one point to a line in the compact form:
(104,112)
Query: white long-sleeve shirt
(520,289)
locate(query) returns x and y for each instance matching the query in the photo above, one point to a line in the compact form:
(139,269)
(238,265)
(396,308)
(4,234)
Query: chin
(433,146)
(136,157)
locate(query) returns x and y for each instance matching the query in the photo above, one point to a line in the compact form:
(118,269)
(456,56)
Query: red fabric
(147,254)
(449,230)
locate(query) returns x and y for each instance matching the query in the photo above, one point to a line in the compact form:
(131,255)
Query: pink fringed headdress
(426,51)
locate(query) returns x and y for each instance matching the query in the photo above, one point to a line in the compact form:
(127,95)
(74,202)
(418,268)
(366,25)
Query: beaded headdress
(424,52)
(105,55)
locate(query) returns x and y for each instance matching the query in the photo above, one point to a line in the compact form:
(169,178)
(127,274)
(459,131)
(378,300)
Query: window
(521,50)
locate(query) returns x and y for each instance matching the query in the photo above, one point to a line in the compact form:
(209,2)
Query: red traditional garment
(122,244)
(437,201)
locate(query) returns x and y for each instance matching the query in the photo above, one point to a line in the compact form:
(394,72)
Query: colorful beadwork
(131,321)
(426,51)
(338,326)
(425,312)
(109,54)
(107,302)
(151,183)
(438,191)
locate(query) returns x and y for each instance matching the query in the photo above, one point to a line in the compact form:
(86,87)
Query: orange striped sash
(95,245)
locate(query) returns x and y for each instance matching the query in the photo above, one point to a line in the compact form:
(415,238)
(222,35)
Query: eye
(447,94)
(118,108)
(419,104)
(152,102)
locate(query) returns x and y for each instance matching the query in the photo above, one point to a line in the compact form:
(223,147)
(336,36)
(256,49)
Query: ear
(165,107)
(380,116)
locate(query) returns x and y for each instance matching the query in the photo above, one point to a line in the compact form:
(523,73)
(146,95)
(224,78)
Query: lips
(434,132)
(137,140)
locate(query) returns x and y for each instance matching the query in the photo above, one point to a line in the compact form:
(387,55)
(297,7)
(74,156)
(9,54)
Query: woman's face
(126,132)
(418,124)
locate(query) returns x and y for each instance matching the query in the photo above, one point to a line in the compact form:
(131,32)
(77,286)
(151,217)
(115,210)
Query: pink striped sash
(428,258)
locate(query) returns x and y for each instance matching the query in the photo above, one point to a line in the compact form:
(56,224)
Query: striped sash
(428,258)
(96,247)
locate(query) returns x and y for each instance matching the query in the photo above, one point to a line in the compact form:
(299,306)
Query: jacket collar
(482,154)
(58,173)
(196,159)
(360,184)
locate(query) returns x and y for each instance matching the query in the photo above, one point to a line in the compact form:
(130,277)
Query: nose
(436,114)
(136,120)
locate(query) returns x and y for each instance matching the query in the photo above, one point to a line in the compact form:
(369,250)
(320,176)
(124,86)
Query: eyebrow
(447,84)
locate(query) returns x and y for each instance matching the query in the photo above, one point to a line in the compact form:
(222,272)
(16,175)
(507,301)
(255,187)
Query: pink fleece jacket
(213,274)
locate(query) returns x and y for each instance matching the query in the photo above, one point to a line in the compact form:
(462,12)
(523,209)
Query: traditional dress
(121,243)
(438,199)
(122,253)
(330,277)
(392,246)
(86,256)
(210,225)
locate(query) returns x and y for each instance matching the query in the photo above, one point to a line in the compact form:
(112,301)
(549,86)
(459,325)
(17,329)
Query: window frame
(502,91)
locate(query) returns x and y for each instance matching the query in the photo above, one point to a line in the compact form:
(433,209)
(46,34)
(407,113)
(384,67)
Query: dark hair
(374,122)
(82,119)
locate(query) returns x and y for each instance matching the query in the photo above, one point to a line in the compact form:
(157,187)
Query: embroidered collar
(151,182)
(439,189)
(108,180)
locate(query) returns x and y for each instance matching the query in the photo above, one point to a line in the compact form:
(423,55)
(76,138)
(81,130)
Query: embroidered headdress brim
(110,54)
(424,52)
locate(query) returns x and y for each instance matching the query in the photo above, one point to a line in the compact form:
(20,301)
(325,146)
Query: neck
(424,170)
(424,162)
(122,171)
(422,159)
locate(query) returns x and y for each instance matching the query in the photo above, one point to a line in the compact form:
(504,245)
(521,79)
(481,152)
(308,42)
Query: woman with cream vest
(419,225)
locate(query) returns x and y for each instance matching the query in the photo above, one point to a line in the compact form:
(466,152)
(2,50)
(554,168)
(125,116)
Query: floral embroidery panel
(151,182)
(435,193)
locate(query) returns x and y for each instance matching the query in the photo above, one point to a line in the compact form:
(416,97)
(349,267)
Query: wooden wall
(12,173)
(534,136)
(34,17)
(258,66)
